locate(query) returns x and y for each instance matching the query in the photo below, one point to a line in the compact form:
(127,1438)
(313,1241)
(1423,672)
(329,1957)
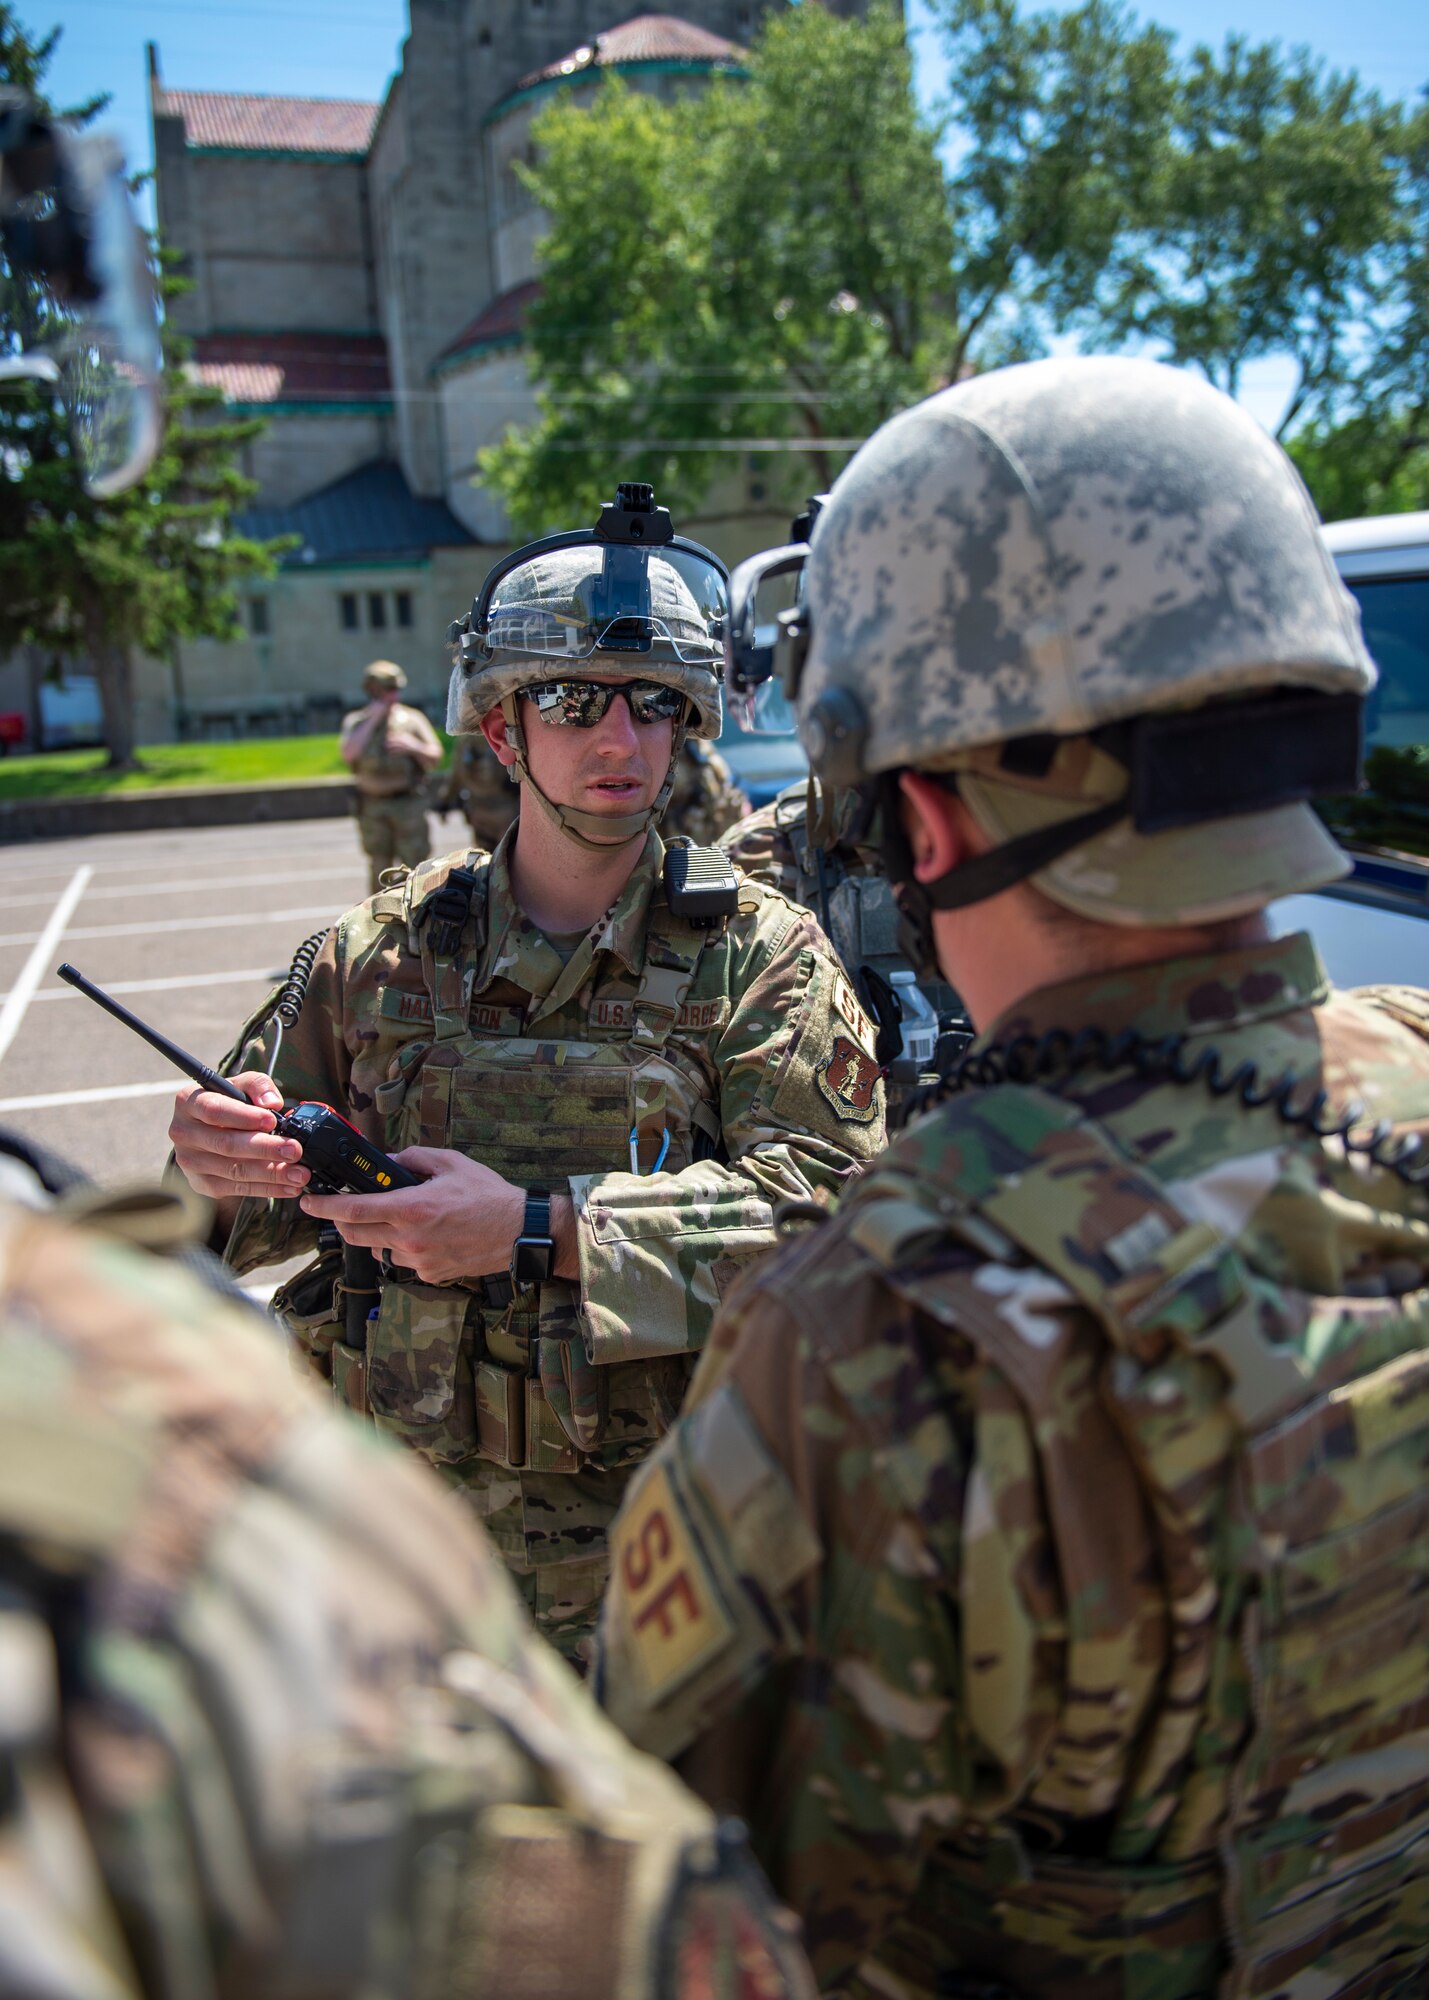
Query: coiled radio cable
(294,990)
(1057,1056)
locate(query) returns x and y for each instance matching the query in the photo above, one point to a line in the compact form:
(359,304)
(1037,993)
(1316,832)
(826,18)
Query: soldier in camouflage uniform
(390,748)
(606,1093)
(705,801)
(271,1719)
(825,853)
(1038,1566)
(480,787)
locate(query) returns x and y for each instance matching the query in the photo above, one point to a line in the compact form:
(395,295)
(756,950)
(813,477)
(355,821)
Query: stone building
(360,274)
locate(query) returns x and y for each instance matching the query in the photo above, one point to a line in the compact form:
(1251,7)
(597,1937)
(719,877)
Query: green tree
(1053,116)
(104,578)
(764,264)
(1268,208)
(1369,454)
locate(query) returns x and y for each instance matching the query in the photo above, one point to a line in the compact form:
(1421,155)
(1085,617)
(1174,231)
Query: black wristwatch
(534,1251)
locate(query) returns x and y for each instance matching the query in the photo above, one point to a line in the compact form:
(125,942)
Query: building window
(258,617)
(377,611)
(404,609)
(347,611)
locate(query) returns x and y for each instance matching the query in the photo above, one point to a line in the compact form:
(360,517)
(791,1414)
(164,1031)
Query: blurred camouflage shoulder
(271,1717)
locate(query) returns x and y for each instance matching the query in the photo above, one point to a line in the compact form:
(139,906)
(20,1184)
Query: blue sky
(349,48)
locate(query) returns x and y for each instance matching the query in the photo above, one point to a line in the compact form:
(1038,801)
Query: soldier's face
(616,767)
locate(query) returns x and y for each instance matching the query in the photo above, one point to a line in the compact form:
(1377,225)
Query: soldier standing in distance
(390,749)
(1037,1566)
(605,1087)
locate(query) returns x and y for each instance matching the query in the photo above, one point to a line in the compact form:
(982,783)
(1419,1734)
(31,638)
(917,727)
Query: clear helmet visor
(650,604)
(766,594)
(101,346)
(110,360)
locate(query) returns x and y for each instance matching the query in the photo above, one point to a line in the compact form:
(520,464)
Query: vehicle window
(1395,611)
(1394,810)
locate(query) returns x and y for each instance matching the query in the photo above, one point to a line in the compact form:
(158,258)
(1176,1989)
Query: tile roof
(502,319)
(281,368)
(648,38)
(365,516)
(270,124)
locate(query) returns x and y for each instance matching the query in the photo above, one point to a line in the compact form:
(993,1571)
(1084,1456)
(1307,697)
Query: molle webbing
(1274,1443)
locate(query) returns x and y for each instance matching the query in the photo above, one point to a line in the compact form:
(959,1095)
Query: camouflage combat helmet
(629,599)
(1096,591)
(383,676)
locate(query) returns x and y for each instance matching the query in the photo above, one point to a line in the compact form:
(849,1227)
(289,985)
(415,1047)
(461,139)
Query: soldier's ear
(939,832)
(493,728)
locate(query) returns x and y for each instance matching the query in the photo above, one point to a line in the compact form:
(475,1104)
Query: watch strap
(533,1253)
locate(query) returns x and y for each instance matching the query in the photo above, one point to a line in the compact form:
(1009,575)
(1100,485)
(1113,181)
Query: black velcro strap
(1241,757)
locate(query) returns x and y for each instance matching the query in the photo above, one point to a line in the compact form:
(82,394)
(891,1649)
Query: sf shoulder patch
(674,1616)
(848,1077)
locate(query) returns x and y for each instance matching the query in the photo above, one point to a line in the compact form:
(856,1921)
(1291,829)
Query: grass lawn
(257,760)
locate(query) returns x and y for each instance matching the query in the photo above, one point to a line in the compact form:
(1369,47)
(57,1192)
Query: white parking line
(266,975)
(229,920)
(18,998)
(54,1100)
(194,884)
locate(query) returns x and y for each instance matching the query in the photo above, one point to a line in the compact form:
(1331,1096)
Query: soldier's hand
(225,1149)
(459,1223)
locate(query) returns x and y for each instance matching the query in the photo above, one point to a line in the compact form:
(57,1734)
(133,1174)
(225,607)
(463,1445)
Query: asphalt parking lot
(189,929)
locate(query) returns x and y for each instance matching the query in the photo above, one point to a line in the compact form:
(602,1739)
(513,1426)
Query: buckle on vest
(447,912)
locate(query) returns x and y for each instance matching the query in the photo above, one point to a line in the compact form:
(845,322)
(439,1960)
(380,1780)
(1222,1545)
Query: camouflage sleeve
(781,1617)
(800,1108)
(313,1062)
(317,1744)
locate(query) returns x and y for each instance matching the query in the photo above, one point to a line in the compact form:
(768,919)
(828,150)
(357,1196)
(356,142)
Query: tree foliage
(761,266)
(1266,208)
(107,578)
(787,258)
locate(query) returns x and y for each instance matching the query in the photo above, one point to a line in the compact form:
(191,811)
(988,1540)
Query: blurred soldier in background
(824,849)
(831,860)
(390,749)
(1038,1564)
(479,787)
(705,800)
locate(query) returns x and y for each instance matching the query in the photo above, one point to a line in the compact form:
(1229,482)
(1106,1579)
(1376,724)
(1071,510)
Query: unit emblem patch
(848,1077)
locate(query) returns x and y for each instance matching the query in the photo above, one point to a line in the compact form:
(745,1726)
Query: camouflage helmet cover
(546,604)
(383,675)
(1059,545)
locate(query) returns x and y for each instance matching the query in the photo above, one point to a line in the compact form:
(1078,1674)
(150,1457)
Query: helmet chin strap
(596,833)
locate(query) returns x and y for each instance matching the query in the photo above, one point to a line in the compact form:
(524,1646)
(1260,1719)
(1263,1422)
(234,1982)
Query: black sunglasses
(583,703)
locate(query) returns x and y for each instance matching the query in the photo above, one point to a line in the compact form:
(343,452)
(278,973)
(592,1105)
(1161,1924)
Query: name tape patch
(676,1616)
(395,1005)
(697,1014)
